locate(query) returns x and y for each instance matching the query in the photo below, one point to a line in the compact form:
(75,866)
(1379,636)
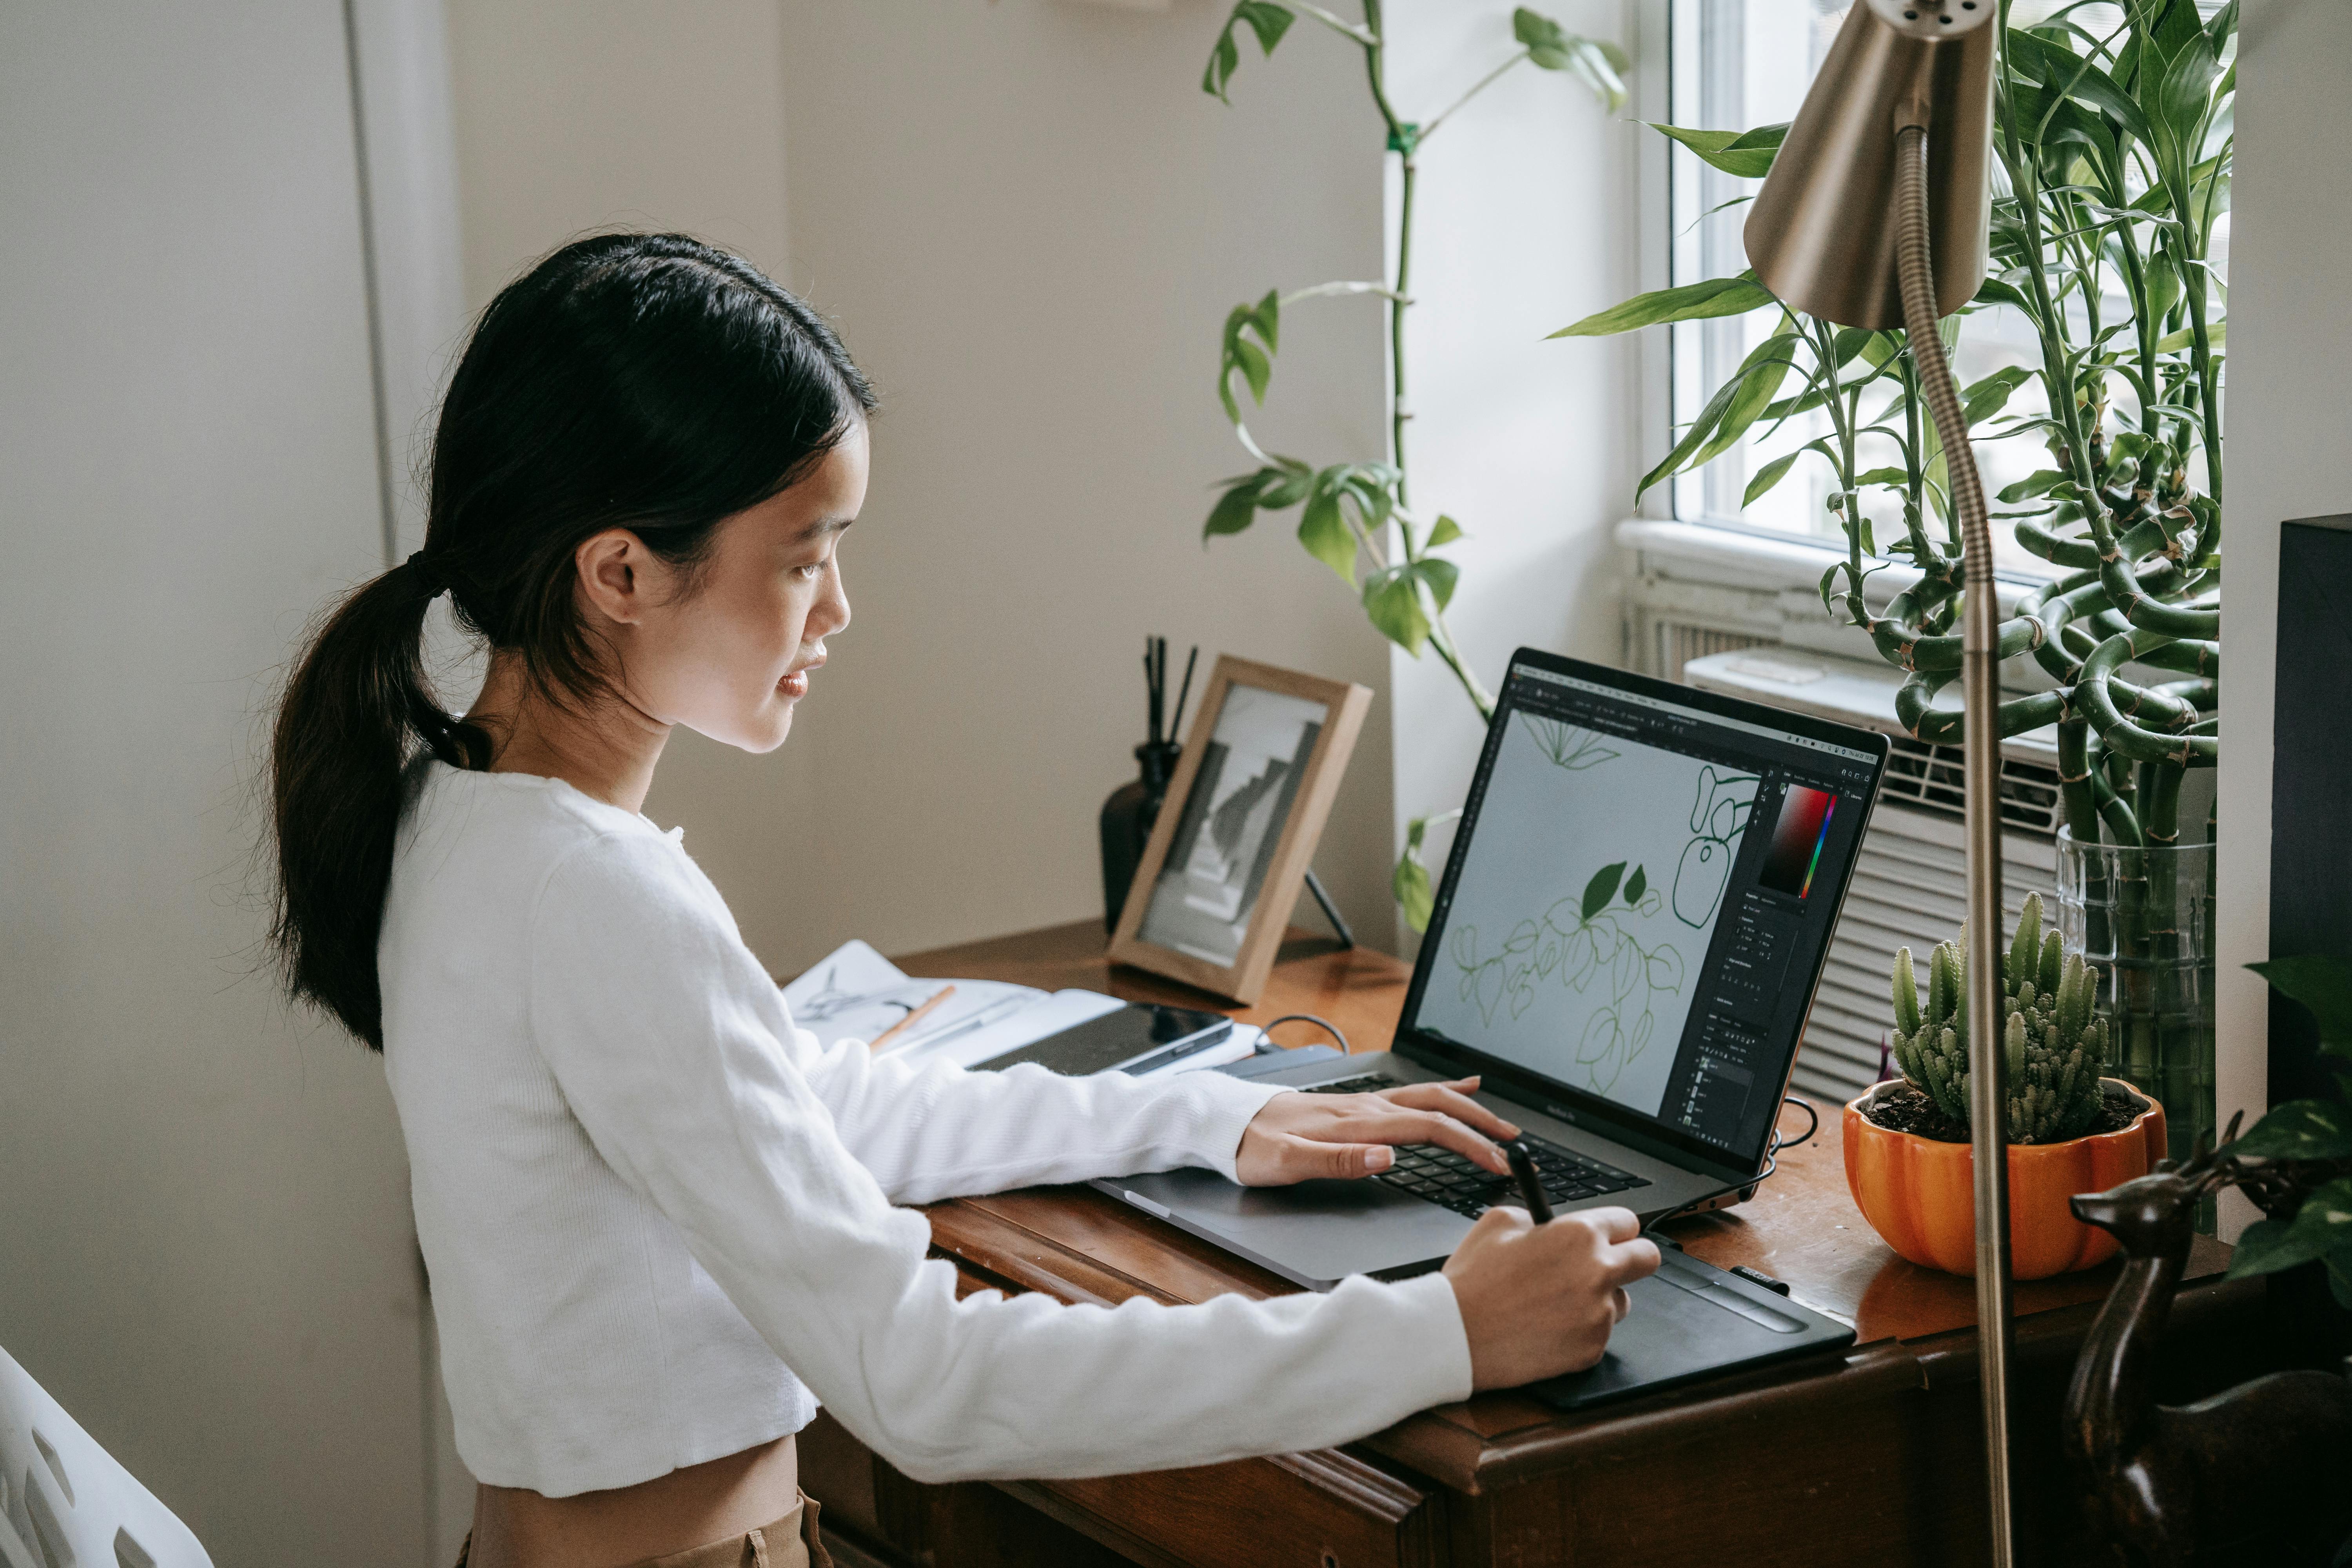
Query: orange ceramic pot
(1919,1195)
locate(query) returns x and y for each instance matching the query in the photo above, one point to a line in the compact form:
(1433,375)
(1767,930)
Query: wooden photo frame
(1261,765)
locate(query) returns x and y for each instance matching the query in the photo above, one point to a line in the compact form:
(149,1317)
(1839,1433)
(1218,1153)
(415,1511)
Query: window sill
(1737,558)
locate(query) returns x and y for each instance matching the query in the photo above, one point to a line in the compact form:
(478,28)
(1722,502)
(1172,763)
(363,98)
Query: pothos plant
(2113,151)
(1359,518)
(2297,1161)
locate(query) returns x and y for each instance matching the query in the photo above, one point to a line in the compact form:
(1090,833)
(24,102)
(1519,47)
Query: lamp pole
(1980,778)
(1876,214)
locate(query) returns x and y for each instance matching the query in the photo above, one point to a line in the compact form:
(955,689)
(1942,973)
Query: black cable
(1771,1163)
(1326,1024)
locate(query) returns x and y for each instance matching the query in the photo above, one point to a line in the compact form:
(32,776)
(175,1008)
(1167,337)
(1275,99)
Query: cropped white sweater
(660,1222)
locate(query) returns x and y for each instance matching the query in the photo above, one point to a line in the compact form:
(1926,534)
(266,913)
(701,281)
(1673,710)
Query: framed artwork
(1231,849)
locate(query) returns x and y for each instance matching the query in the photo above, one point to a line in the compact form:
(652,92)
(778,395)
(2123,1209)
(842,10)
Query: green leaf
(1897,477)
(1392,602)
(2036,484)
(1746,153)
(1325,532)
(1410,884)
(1768,476)
(1255,368)
(2322,984)
(2174,343)
(1829,582)
(1267,18)
(1440,576)
(2300,1129)
(1410,880)
(2060,69)
(1602,889)
(1445,532)
(2268,1246)
(2323,1223)
(1993,291)
(1637,884)
(1691,302)
(1601,66)
(1990,395)
(1759,378)
(1237,508)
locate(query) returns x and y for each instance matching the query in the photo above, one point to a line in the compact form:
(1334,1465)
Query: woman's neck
(603,746)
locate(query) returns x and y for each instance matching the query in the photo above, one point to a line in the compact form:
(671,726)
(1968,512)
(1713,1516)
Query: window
(1735,64)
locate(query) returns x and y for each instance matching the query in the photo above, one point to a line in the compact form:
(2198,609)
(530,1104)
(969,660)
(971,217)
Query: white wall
(2290,342)
(1526,223)
(205,1244)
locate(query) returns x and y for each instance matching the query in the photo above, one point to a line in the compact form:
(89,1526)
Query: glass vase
(2142,918)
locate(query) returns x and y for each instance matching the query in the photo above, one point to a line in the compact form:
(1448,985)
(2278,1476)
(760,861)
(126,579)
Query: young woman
(662,1223)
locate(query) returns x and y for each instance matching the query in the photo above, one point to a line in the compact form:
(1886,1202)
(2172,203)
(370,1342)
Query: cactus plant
(2055,1046)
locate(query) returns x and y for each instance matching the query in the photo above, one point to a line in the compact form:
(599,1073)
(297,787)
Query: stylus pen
(1532,1192)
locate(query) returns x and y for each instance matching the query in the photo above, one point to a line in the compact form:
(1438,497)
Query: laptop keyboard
(1451,1181)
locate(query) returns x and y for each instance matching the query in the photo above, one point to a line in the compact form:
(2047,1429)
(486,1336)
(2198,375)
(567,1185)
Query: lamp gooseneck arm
(1981,675)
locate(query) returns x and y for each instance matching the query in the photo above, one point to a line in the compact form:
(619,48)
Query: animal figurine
(2171,1486)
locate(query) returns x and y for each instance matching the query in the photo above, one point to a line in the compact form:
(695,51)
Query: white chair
(64,1503)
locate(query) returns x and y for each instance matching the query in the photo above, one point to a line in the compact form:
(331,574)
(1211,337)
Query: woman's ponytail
(638,381)
(354,712)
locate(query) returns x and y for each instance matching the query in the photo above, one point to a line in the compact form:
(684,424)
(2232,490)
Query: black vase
(1127,819)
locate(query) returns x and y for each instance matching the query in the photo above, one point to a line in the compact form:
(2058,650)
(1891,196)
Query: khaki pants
(791,1542)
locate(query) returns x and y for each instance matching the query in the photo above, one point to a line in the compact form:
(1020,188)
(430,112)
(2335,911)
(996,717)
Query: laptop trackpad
(1690,1320)
(1316,1232)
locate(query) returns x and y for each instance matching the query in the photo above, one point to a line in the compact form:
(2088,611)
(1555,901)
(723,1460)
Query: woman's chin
(758,734)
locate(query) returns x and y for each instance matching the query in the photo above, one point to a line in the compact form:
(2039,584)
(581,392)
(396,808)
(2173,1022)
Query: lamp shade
(1821,234)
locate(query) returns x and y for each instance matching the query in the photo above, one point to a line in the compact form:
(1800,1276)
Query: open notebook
(854,993)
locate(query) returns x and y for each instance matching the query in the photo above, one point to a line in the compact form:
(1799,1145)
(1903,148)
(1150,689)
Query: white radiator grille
(1908,889)
(1929,777)
(1679,642)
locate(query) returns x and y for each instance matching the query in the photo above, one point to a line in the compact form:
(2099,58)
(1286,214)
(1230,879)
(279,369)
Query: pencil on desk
(903,1024)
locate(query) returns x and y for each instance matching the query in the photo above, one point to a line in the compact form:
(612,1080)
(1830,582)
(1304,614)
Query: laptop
(1625,946)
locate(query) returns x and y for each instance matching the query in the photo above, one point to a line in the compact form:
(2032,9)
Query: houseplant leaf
(2299,1130)
(1747,153)
(1691,302)
(2323,984)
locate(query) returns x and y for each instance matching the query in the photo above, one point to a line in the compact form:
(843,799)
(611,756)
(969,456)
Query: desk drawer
(1320,1509)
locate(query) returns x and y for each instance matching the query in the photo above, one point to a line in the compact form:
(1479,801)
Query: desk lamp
(1875,216)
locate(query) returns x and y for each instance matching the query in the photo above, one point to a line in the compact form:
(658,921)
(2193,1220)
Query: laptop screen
(1638,902)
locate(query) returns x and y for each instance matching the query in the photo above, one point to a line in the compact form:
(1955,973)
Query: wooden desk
(1868,1457)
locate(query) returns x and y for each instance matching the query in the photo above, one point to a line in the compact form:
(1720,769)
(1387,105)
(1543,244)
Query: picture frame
(1230,852)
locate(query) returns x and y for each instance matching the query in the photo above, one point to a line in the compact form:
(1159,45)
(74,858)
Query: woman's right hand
(1538,1301)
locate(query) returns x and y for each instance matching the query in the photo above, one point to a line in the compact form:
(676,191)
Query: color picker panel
(1797,840)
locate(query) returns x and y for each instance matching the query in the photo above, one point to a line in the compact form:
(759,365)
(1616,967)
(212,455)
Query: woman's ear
(615,570)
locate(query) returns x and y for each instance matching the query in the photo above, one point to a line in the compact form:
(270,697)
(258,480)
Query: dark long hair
(641,381)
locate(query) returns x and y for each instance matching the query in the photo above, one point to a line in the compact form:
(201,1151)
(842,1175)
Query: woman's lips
(794,685)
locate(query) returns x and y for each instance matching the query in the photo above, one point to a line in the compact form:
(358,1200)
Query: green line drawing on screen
(1584,943)
(1565,745)
(1719,808)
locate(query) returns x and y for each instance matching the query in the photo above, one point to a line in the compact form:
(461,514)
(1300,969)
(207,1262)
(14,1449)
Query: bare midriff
(676,1512)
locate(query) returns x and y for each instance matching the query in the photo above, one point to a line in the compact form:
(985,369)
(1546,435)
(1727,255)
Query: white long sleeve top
(659,1220)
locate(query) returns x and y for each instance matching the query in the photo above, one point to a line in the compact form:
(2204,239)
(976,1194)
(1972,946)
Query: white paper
(856,993)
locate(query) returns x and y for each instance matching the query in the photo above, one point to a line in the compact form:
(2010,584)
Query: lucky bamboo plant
(2113,156)
(1360,518)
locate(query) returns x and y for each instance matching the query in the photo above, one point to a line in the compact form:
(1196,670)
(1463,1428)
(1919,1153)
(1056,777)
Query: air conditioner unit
(1910,884)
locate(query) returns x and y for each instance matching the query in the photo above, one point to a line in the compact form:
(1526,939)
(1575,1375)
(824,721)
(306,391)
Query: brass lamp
(1875,214)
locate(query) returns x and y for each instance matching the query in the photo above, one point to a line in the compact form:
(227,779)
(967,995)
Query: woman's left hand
(1297,1136)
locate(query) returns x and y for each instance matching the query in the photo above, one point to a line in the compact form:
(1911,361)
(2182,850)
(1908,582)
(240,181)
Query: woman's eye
(810,572)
